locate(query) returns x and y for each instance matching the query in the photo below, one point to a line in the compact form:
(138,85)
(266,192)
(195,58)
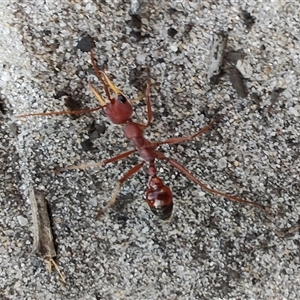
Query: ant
(119,111)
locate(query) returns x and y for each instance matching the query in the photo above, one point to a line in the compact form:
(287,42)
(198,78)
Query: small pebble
(140,58)
(93,202)
(222,163)
(22,221)
(245,68)
(5,77)
(294,111)
(173,47)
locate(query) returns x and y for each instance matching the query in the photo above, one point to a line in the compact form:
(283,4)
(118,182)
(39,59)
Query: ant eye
(122,99)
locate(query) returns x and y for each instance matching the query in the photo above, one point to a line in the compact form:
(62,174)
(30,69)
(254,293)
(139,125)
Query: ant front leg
(63,112)
(148,103)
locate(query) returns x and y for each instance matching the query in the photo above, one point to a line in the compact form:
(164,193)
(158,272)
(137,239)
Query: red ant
(119,111)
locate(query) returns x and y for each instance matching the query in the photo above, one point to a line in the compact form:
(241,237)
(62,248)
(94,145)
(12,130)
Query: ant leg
(99,164)
(64,112)
(178,140)
(148,102)
(184,171)
(116,191)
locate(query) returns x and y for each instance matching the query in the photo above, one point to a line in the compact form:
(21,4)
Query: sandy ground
(212,248)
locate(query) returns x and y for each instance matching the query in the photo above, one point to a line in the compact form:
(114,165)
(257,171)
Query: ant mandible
(119,111)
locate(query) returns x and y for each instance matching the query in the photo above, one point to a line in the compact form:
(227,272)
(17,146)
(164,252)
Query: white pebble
(5,77)
(294,111)
(93,202)
(245,68)
(145,21)
(173,47)
(135,6)
(22,221)
(222,163)
(140,58)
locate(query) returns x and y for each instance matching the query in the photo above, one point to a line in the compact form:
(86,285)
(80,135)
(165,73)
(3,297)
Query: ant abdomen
(159,198)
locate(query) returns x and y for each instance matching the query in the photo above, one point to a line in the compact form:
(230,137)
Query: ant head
(159,198)
(119,110)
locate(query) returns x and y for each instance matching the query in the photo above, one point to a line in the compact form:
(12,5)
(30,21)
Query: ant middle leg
(98,164)
(178,140)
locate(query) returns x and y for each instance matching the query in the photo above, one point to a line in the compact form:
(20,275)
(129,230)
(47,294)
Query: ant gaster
(119,111)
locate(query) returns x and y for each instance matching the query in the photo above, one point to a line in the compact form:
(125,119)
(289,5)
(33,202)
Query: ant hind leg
(116,191)
(204,187)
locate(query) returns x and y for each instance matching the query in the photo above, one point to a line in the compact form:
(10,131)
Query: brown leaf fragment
(43,243)
(237,82)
